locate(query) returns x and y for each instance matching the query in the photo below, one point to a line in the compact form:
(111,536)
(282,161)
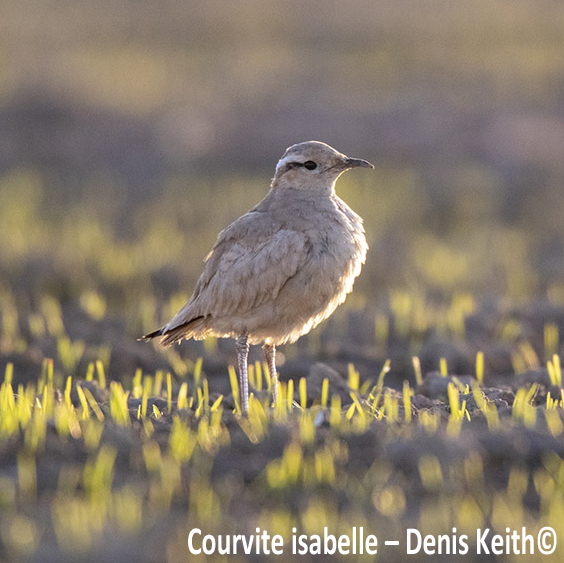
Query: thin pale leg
(242,347)
(270,355)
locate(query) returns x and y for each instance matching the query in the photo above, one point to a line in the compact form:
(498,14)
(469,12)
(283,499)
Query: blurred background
(131,133)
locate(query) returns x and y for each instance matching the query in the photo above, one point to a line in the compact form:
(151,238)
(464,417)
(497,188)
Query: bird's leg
(270,355)
(242,347)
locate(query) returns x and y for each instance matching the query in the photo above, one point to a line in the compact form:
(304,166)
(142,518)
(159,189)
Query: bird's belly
(306,299)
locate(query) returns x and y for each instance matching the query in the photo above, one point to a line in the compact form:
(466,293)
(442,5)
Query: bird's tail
(174,334)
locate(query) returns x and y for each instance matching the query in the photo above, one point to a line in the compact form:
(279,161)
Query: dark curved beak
(358,163)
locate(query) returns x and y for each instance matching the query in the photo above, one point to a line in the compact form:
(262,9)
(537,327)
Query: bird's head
(313,165)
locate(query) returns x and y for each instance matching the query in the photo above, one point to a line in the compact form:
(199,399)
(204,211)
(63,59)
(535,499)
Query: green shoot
(198,371)
(118,404)
(407,392)
(182,401)
(290,395)
(551,340)
(487,408)
(67,395)
(417,370)
(324,392)
(335,416)
(258,376)
(90,372)
(234,388)
(354,377)
(101,374)
(443,368)
(555,371)
(169,392)
(374,397)
(303,393)
(158,383)
(480,367)
(137,384)
(83,402)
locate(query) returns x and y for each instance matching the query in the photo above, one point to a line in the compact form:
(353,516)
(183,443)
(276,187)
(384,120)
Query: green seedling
(83,402)
(553,404)
(523,410)
(390,408)
(554,421)
(147,386)
(198,371)
(407,393)
(206,395)
(335,415)
(430,472)
(169,392)
(182,440)
(302,386)
(443,368)
(182,399)
(93,404)
(429,420)
(101,374)
(555,371)
(258,376)
(137,384)
(457,411)
(90,372)
(376,392)
(284,472)
(290,395)
(551,340)
(158,383)
(251,376)
(480,367)
(353,378)
(118,404)
(487,408)
(92,432)
(201,403)
(234,389)
(417,370)
(216,404)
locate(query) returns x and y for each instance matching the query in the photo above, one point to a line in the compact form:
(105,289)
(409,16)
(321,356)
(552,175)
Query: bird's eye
(310,165)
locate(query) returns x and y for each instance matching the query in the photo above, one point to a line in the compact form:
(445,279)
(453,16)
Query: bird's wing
(250,262)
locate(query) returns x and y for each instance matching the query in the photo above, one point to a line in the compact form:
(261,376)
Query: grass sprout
(555,371)
(316,458)
(480,367)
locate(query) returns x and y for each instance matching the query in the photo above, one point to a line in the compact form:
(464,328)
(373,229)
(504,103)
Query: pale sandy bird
(282,268)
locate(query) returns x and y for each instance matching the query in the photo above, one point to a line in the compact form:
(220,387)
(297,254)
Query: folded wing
(248,265)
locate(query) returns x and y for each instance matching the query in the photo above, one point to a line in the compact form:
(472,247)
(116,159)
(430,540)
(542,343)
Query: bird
(280,269)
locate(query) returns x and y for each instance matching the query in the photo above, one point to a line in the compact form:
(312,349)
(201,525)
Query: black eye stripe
(308,164)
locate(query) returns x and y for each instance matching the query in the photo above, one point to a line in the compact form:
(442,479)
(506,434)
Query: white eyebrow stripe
(285,160)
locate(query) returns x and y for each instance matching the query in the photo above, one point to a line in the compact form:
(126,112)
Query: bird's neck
(313,188)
